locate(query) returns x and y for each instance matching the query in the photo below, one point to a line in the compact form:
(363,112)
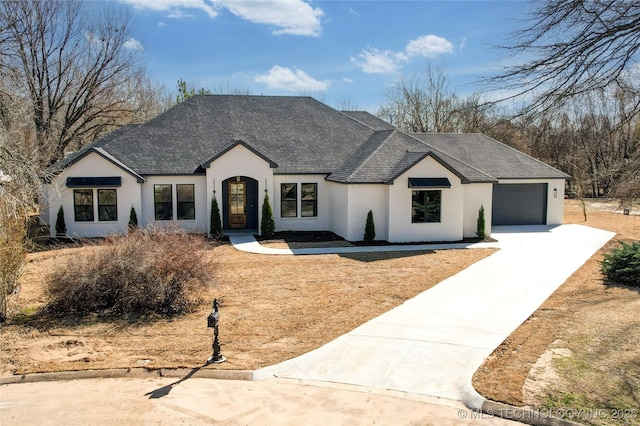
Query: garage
(519,204)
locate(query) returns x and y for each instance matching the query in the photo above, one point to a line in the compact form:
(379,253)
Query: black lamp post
(212,322)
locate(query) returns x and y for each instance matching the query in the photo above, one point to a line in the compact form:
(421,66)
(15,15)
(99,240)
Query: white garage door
(519,204)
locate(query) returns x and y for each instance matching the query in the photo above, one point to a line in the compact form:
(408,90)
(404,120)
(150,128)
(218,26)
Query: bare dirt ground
(273,308)
(580,351)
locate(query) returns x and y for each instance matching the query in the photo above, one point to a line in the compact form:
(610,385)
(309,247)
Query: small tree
(215,223)
(622,265)
(369,228)
(267,224)
(480,225)
(61,226)
(133,219)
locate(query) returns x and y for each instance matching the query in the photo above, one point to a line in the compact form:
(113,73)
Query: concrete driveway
(432,344)
(411,365)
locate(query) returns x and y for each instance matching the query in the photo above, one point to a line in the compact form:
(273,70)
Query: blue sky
(337,51)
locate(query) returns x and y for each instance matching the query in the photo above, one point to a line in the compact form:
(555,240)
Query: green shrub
(369,228)
(139,273)
(215,223)
(622,265)
(61,226)
(267,224)
(480,225)
(133,219)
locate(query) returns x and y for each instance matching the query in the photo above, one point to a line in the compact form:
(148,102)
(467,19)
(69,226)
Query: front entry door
(238,204)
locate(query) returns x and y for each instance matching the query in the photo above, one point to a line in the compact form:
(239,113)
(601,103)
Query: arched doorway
(240,203)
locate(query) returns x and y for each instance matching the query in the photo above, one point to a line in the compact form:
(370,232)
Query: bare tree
(19,186)
(576,47)
(422,103)
(75,65)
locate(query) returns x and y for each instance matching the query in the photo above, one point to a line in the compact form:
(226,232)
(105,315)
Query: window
(186,202)
(163,202)
(83,205)
(289,200)
(107,205)
(309,200)
(425,206)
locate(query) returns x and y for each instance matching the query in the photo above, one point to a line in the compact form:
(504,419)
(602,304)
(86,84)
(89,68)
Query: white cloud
(429,46)
(180,14)
(294,81)
(162,24)
(374,61)
(296,17)
(132,44)
(174,7)
(462,44)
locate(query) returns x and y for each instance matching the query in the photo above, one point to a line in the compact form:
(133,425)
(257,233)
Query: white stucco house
(323,170)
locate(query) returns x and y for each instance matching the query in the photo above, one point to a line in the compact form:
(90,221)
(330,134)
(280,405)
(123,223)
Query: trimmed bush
(133,219)
(61,226)
(267,224)
(369,228)
(480,225)
(215,223)
(622,265)
(142,272)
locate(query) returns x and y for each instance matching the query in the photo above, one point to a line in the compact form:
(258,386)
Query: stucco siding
(93,165)
(361,199)
(476,195)
(450,227)
(338,208)
(239,161)
(555,197)
(197,225)
(320,222)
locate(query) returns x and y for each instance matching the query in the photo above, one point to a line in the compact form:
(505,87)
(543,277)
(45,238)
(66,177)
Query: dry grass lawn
(274,308)
(581,349)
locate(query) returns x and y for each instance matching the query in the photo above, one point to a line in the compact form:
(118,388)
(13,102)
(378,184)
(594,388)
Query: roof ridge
(439,151)
(393,174)
(371,153)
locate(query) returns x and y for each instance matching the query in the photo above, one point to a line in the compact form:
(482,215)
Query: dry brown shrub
(12,254)
(143,272)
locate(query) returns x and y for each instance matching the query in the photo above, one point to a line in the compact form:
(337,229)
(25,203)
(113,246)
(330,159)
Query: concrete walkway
(432,344)
(248,243)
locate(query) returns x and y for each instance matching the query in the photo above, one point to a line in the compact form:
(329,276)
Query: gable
(388,154)
(242,146)
(97,163)
(240,160)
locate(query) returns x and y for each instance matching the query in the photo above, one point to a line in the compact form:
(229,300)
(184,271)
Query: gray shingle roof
(490,156)
(388,154)
(370,120)
(299,135)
